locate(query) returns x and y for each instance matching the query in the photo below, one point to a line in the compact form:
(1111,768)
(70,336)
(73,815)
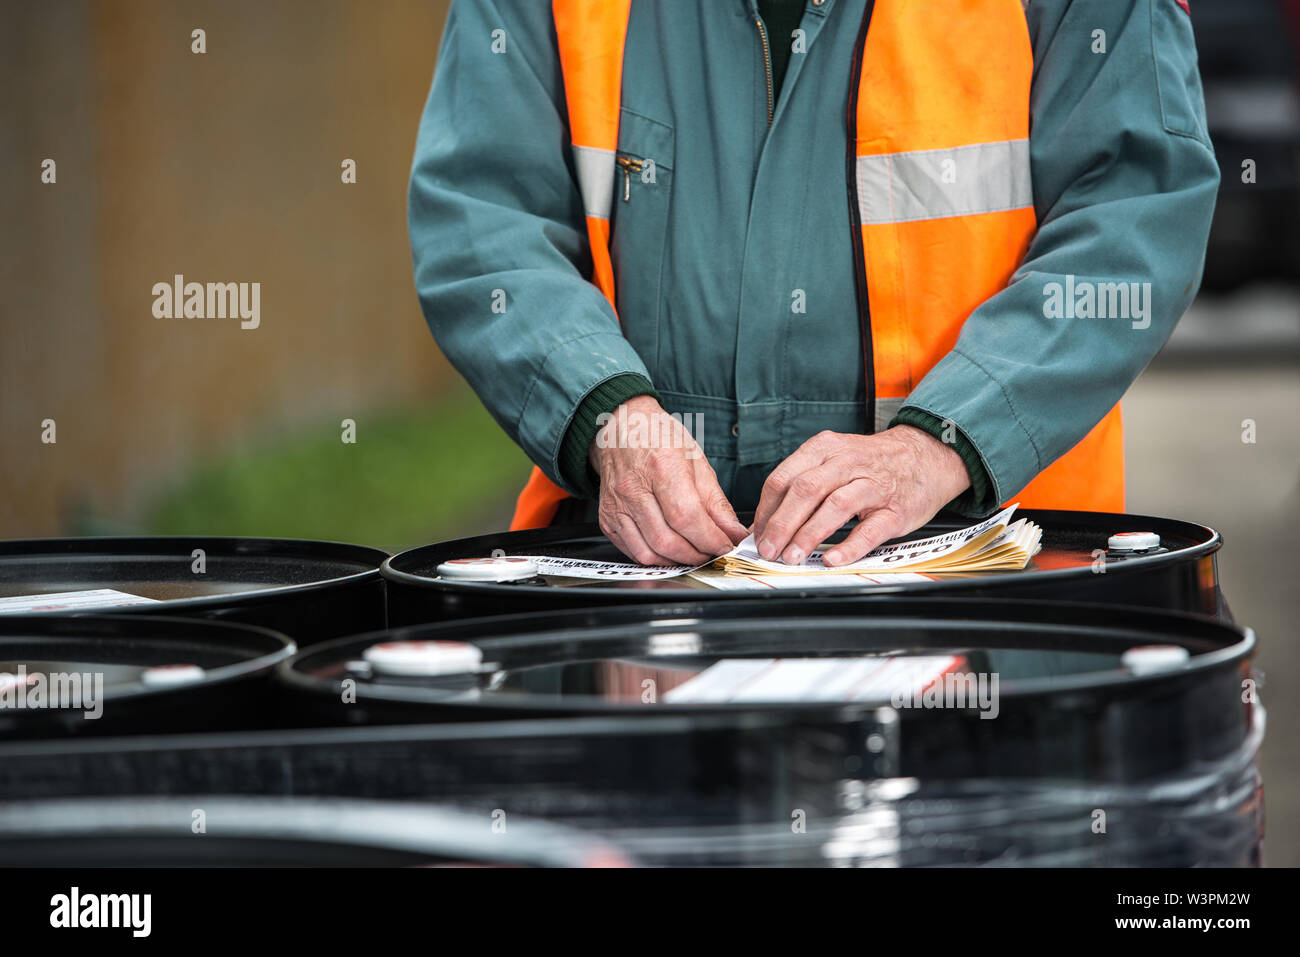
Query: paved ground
(1186,459)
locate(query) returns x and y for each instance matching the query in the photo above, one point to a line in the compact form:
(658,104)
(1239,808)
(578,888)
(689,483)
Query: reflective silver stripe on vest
(886,409)
(934,184)
(595,179)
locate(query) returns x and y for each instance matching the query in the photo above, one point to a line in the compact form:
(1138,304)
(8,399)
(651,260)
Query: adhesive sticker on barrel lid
(867,678)
(423,658)
(1133,541)
(163,675)
(1149,659)
(502,569)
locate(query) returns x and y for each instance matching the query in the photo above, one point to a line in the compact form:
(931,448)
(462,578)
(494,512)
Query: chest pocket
(643,179)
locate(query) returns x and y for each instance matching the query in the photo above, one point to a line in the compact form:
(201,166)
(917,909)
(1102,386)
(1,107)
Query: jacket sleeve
(1124,181)
(498,236)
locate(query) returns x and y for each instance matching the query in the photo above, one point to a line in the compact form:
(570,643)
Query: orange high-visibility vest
(939,127)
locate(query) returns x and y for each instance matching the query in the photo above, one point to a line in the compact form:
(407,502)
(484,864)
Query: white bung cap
(423,658)
(504,569)
(1133,541)
(1149,659)
(164,675)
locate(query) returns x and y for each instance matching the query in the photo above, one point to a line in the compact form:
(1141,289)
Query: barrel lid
(1173,575)
(162,575)
(615,659)
(423,658)
(135,656)
(1151,659)
(495,569)
(1133,541)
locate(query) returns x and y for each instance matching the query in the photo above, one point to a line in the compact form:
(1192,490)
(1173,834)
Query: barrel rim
(1063,614)
(391,570)
(439,830)
(14,548)
(415,733)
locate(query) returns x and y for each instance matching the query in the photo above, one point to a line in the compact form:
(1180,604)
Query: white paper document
(995,544)
(734,582)
(71,600)
(946,551)
(614,571)
(811,679)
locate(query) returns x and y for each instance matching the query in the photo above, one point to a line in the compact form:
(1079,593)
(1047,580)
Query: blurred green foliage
(414,475)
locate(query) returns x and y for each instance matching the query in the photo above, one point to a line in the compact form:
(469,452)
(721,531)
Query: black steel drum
(221,831)
(1074,564)
(121,674)
(308,590)
(1073,695)
(1041,712)
(721,789)
(655,777)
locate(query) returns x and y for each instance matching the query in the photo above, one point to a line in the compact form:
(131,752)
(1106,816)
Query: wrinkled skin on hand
(893,482)
(660,501)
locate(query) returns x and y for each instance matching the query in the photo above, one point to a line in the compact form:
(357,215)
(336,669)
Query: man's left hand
(893,482)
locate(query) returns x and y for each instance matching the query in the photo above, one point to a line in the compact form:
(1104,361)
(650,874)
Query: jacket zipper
(767,66)
(855,217)
(629,166)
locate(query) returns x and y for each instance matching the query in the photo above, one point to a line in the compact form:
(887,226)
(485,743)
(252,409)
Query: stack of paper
(995,544)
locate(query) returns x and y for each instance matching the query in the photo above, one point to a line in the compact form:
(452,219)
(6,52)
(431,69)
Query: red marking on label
(1186,8)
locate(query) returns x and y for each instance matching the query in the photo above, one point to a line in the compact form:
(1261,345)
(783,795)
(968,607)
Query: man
(888,257)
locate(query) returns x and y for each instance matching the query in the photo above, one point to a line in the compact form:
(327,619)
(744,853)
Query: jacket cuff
(976,501)
(575,463)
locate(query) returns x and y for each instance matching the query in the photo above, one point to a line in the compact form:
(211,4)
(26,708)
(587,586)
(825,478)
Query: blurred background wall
(225,167)
(222,167)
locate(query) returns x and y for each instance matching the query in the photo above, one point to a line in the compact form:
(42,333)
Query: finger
(654,557)
(805,458)
(872,532)
(841,505)
(672,480)
(684,513)
(622,531)
(805,494)
(716,504)
(623,503)
(662,538)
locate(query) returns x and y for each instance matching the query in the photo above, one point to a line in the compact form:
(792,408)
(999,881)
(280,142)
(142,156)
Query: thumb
(716,504)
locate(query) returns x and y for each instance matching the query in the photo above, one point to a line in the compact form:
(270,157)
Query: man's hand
(660,502)
(894,482)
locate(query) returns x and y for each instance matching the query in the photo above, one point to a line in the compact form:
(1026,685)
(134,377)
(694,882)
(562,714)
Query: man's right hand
(660,502)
